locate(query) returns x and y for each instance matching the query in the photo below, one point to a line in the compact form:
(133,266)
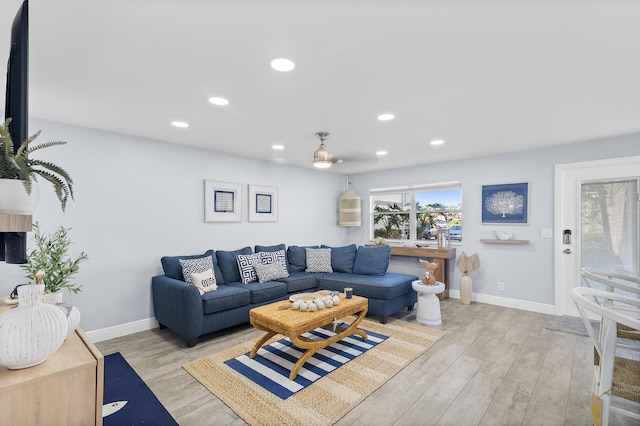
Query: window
(416,212)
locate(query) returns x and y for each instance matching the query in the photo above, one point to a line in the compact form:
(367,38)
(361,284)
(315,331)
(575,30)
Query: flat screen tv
(13,247)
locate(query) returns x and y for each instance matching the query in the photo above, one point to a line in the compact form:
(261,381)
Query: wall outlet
(500,286)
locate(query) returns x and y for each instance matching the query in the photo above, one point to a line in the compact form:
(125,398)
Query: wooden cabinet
(15,223)
(66,389)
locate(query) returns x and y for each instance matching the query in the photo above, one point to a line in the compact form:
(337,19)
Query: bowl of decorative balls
(313,301)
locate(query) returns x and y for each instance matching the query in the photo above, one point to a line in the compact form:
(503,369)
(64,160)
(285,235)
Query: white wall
(138,200)
(526,270)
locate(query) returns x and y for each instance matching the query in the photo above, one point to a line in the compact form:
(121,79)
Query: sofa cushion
(264,292)
(342,258)
(225,297)
(204,281)
(228,263)
(276,248)
(300,281)
(385,287)
(318,260)
(297,257)
(372,260)
(172,268)
(270,271)
(246,264)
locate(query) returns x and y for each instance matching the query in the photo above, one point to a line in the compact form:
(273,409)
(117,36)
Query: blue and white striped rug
(272,364)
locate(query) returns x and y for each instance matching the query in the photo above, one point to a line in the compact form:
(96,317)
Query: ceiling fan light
(322,157)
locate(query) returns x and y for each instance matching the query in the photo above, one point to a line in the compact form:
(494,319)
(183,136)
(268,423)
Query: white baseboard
(523,305)
(150,323)
(122,330)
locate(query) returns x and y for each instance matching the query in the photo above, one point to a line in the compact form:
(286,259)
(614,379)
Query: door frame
(568,179)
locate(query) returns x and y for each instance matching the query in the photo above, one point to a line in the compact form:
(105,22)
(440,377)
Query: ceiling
(486,76)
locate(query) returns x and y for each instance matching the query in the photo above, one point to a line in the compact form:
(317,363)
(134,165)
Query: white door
(596,222)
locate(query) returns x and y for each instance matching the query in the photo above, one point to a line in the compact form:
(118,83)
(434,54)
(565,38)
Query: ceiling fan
(322,157)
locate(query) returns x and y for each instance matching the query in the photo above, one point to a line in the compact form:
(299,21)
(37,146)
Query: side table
(428,311)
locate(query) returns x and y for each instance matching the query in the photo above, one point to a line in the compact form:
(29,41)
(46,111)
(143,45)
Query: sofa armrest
(178,306)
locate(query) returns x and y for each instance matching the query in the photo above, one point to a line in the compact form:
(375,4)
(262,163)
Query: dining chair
(616,384)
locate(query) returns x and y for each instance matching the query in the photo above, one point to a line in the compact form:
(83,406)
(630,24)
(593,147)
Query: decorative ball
(320,304)
(312,306)
(296,305)
(336,300)
(329,303)
(303,306)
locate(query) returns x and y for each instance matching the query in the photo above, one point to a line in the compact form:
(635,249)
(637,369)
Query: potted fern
(50,263)
(19,173)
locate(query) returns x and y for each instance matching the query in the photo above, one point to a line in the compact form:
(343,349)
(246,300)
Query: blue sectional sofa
(240,285)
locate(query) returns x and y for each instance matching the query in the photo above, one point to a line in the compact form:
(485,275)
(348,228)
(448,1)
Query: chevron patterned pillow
(318,260)
(195,266)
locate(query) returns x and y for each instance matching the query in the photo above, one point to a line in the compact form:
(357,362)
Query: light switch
(546,233)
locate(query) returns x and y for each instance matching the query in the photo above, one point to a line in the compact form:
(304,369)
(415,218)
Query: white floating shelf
(505,241)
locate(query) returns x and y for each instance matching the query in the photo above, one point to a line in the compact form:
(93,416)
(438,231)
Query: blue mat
(272,364)
(122,383)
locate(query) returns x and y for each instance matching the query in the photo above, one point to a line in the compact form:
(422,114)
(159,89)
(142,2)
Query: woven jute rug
(327,400)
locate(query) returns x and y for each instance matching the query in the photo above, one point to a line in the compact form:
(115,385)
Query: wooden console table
(66,389)
(441,256)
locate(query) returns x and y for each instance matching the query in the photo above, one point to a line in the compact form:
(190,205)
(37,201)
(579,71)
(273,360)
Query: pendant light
(322,157)
(349,207)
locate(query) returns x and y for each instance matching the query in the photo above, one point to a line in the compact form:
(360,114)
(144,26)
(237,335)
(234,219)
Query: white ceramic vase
(466,288)
(32,331)
(14,198)
(52,298)
(73,316)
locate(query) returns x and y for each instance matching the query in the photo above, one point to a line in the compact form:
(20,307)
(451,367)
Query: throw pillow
(195,266)
(372,260)
(204,281)
(245,266)
(277,247)
(270,271)
(278,256)
(297,258)
(318,260)
(228,264)
(342,258)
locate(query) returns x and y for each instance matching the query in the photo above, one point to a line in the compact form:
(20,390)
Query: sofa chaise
(201,294)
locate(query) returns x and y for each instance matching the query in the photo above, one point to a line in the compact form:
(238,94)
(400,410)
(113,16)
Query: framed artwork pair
(223,202)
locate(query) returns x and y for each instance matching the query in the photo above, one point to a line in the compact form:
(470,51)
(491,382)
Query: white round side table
(428,311)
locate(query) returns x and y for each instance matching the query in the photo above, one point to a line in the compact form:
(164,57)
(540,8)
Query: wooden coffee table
(294,323)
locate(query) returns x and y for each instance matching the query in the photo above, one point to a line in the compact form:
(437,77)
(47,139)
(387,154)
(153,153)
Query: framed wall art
(505,204)
(263,203)
(222,202)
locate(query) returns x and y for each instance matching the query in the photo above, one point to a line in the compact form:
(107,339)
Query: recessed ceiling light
(180,124)
(386,117)
(219,101)
(277,147)
(437,142)
(282,64)
(381,153)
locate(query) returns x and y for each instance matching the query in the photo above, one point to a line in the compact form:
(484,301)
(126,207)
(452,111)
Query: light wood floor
(495,366)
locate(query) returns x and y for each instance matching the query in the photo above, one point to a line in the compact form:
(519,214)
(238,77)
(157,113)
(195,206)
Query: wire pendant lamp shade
(322,158)
(350,209)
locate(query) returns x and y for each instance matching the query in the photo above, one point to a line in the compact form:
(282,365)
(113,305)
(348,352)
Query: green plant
(20,166)
(52,257)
